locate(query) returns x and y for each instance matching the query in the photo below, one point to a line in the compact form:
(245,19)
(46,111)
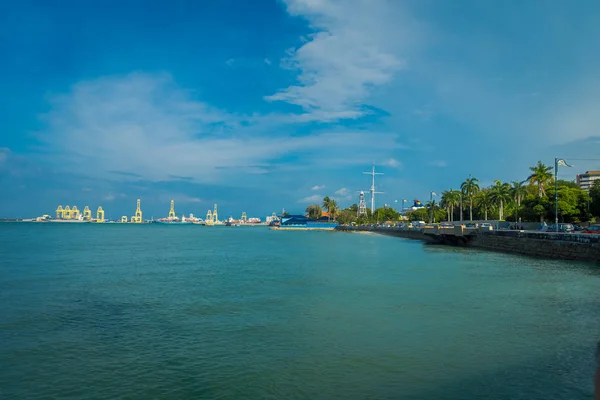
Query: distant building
(585,181)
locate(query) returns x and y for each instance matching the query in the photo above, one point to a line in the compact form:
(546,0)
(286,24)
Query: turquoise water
(189,312)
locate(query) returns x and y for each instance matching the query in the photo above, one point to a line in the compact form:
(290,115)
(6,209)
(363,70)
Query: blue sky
(263,105)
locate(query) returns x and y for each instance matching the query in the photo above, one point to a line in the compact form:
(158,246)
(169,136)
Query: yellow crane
(74,213)
(244,217)
(60,213)
(100,214)
(124,219)
(172,210)
(137,218)
(87,213)
(215,215)
(209,219)
(67,212)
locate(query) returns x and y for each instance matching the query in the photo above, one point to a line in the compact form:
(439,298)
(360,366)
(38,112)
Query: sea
(122,311)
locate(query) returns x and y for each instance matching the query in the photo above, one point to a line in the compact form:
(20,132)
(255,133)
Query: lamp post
(557,162)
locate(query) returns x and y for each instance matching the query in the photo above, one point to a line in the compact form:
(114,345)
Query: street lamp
(557,162)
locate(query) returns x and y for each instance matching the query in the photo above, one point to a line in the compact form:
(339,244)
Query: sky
(265,105)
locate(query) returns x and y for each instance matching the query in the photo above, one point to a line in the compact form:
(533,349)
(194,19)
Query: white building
(585,181)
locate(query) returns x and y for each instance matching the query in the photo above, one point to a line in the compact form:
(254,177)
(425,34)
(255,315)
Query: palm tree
(432,207)
(445,202)
(326,204)
(541,175)
(483,200)
(469,188)
(518,191)
(314,211)
(499,194)
(455,196)
(332,208)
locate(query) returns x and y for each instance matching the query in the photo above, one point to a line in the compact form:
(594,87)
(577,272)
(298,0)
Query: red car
(594,229)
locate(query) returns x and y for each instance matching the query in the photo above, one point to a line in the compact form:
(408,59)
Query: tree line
(529,200)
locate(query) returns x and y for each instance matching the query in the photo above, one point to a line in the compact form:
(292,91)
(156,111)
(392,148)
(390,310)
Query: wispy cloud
(341,192)
(392,162)
(112,196)
(438,163)
(4,153)
(267,61)
(315,198)
(317,187)
(334,83)
(145,126)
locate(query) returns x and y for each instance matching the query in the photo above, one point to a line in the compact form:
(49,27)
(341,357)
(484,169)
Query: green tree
(483,200)
(518,191)
(595,199)
(541,175)
(332,209)
(469,188)
(500,194)
(326,204)
(314,211)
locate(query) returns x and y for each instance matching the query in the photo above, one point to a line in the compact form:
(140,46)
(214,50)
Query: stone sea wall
(566,246)
(415,234)
(562,246)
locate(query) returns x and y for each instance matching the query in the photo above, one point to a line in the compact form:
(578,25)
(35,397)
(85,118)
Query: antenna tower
(172,210)
(362,205)
(372,190)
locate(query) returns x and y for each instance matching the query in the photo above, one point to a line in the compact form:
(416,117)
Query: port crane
(137,218)
(172,211)
(100,214)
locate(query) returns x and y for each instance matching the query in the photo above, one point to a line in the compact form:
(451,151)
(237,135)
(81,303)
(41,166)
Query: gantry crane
(172,211)
(87,213)
(215,215)
(100,214)
(60,213)
(209,219)
(244,217)
(74,213)
(137,218)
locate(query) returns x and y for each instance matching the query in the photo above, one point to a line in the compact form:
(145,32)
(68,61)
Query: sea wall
(565,246)
(415,234)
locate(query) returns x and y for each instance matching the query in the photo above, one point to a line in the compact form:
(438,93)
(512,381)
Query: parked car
(486,225)
(564,228)
(593,229)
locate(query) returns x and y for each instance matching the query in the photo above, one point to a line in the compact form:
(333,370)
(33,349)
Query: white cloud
(317,187)
(111,196)
(4,153)
(143,126)
(341,192)
(230,62)
(179,198)
(267,61)
(340,64)
(392,162)
(315,198)
(438,163)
